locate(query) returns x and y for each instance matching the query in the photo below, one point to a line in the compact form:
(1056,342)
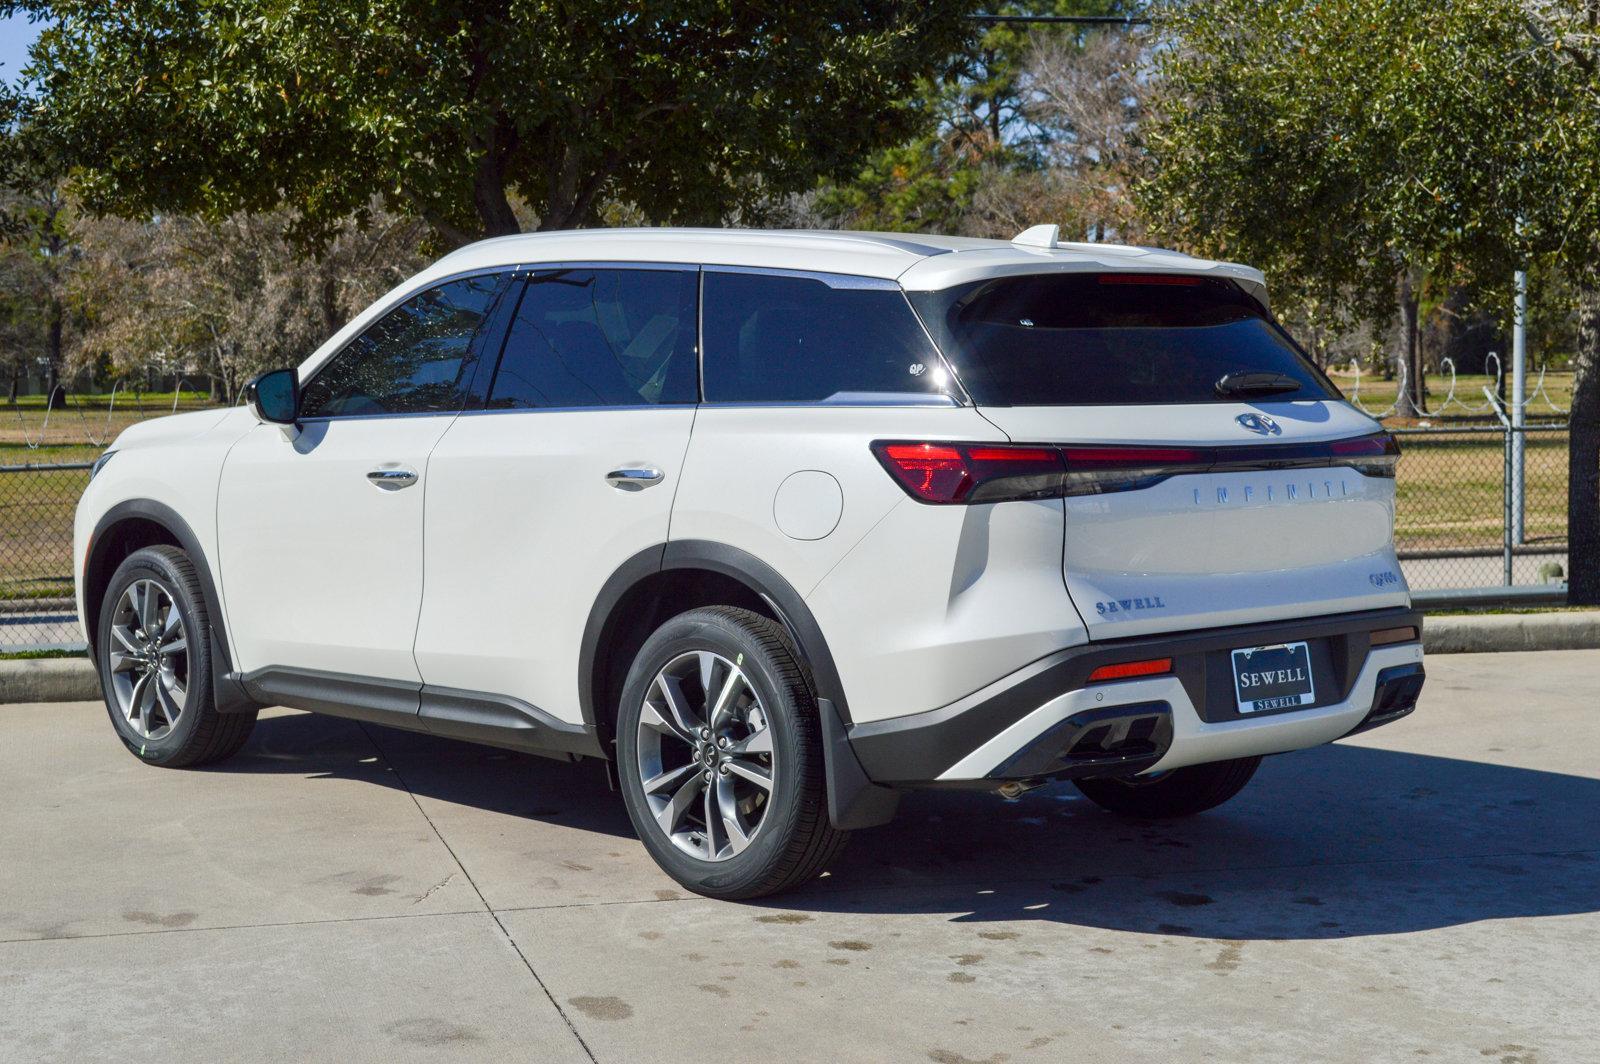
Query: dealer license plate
(1275,677)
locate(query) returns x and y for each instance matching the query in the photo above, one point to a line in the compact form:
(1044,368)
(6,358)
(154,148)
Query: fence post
(1510,490)
(1519,400)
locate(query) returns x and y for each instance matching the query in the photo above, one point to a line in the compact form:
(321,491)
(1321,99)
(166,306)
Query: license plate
(1275,677)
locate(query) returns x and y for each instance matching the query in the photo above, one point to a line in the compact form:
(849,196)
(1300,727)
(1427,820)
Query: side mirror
(274,396)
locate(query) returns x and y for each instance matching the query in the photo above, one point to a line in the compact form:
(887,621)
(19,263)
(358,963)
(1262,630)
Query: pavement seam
(241,927)
(512,942)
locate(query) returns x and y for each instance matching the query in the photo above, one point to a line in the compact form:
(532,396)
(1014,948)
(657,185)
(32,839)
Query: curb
(48,680)
(1511,631)
(74,679)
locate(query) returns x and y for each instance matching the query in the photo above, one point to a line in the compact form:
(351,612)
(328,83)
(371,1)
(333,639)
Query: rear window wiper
(1267,383)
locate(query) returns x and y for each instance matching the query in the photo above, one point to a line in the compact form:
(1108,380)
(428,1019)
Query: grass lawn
(1449,491)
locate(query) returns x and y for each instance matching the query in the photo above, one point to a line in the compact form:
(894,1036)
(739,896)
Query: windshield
(1086,339)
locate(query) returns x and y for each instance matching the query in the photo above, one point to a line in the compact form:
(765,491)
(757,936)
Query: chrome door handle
(393,479)
(634,479)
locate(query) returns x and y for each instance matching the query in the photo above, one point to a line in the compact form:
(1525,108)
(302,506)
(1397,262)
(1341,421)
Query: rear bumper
(1048,721)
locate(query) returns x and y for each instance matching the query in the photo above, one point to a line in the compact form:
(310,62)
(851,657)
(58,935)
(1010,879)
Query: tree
(979,161)
(227,299)
(1357,147)
(687,109)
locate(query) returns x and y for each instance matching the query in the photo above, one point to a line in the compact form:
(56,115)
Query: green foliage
(686,109)
(1340,143)
(978,125)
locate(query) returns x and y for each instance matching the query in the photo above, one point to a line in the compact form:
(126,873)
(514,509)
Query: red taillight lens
(1129,669)
(1376,456)
(952,473)
(931,472)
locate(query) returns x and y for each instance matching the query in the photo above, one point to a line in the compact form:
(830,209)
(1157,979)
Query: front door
(320,530)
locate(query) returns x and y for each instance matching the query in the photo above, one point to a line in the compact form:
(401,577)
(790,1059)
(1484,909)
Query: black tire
(794,840)
(200,735)
(1181,792)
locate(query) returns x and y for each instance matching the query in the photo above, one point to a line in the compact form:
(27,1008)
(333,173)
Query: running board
(472,716)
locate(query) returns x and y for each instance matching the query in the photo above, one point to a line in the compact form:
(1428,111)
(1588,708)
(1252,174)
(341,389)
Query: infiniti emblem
(1260,424)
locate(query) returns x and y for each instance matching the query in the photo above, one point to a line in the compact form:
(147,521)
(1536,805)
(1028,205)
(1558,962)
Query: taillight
(993,472)
(1096,470)
(1376,455)
(971,472)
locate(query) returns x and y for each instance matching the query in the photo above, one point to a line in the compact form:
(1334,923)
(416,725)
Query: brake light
(955,473)
(1129,669)
(1151,278)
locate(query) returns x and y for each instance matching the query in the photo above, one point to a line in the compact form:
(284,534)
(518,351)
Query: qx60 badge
(1260,424)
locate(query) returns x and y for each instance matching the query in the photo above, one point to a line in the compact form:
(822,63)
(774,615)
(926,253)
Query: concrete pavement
(1430,890)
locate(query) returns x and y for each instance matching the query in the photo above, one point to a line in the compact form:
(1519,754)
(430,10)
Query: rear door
(568,471)
(1215,477)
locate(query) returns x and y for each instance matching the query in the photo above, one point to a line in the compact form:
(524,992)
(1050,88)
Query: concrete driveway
(341,893)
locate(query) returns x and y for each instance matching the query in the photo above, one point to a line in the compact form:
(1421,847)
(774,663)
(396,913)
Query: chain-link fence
(37,611)
(1460,523)
(1482,506)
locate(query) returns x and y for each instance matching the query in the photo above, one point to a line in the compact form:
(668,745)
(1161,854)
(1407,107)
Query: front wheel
(1179,792)
(155,663)
(719,752)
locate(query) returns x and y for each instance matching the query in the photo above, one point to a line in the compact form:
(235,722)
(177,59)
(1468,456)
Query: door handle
(634,479)
(393,479)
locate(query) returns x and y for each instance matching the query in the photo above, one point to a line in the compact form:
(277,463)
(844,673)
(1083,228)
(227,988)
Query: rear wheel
(1180,792)
(719,752)
(155,664)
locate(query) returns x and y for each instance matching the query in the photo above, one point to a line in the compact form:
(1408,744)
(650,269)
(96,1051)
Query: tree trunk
(1583,454)
(1406,404)
(489,189)
(55,400)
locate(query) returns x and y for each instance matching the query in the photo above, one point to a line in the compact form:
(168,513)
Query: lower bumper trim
(1115,741)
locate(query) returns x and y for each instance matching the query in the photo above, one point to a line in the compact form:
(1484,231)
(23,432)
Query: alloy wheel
(149,659)
(705,755)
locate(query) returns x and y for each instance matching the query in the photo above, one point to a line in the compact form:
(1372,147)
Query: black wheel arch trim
(741,565)
(230,695)
(854,801)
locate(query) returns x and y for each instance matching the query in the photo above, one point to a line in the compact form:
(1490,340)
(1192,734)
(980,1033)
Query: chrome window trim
(844,281)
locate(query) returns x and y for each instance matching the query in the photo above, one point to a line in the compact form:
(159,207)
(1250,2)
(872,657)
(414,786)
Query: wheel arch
(132,525)
(670,578)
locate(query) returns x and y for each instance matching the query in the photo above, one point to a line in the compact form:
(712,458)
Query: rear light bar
(1129,669)
(946,473)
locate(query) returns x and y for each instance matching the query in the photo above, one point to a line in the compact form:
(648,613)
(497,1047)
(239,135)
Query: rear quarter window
(1115,339)
(773,338)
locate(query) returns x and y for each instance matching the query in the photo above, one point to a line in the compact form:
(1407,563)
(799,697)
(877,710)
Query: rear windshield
(1115,339)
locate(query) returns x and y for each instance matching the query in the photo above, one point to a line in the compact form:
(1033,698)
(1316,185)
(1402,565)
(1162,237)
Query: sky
(16,34)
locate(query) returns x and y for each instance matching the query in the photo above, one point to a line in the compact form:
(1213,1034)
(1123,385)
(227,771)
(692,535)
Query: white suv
(779,524)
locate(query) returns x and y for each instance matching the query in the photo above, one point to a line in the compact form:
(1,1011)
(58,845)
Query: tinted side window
(600,338)
(773,338)
(419,358)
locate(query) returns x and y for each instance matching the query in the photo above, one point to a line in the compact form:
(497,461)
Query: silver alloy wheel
(149,659)
(705,755)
